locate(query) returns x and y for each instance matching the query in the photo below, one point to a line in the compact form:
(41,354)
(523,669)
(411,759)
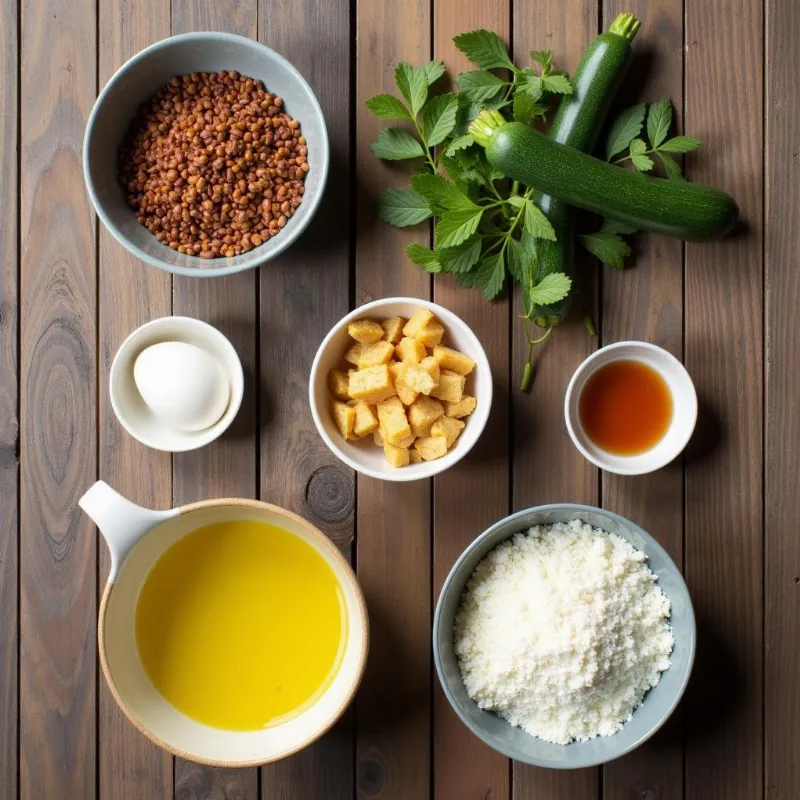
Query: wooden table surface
(726,512)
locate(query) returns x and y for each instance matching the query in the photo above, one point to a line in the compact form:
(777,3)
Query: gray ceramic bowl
(658,704)
(138,80)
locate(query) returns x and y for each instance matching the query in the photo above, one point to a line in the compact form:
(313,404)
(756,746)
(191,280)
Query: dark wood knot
(329,494)
(369,778)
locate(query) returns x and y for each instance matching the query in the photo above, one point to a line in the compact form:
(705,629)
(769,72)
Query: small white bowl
(684,408)
(130,408)
(364,456)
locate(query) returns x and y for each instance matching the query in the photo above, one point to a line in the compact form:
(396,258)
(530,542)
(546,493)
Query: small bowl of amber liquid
(631,408)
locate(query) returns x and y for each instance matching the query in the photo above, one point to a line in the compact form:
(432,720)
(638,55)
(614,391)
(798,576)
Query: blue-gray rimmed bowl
(658,703)
(136,81)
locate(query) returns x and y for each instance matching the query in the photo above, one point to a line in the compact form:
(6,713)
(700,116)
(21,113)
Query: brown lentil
(206,160)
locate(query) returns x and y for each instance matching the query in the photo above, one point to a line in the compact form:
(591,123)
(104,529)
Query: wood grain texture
(303,294)
(9,397)
(228,467)
(130,294)
(58,404)
(562,475)
(393,520)
(646,303)
(723,347)
(781,462)
(464,768)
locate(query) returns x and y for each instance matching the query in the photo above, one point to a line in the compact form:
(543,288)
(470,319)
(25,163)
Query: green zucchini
(688,211)
(578,121)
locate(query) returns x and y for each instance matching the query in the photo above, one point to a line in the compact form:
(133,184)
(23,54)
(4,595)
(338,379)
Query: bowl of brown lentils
(206,154)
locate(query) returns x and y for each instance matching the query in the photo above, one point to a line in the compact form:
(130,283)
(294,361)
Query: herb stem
(428,156)
(527,372)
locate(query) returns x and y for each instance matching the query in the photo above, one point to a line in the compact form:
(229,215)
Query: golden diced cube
(449,427)
(431,334)
(431,365)
(393,329)
(366,418)
(338,383)
(374,354)
(373,384)
(461,409)
(411,350)
(377,437)
(366,331)
(393,421)
(354,353)
(345,417)
(407,441)
(419,319)
(453,360)
(417,378)
(406,394)
(451,387)
(396,456)
(431,448)
(423,413)
(414,457)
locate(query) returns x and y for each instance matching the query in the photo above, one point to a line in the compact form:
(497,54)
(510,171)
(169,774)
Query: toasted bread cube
(406,441)
(431,448)
(431,334)
(461,409)
(417,378)
(431,366)
(411,350)
(366,331)
(338,383)
(419,319)
(393,329)
(449,427)
(406,394)
(423,413)
(414,457)
(393,421)
(374,354)
(423,432)
(453,360)
(373,384)
(345,417)
(366,418)
(377,436)
(354,353)
(450,387)
(396,456)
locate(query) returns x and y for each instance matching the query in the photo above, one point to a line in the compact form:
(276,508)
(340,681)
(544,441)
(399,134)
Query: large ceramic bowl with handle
(658,703)
(136,81)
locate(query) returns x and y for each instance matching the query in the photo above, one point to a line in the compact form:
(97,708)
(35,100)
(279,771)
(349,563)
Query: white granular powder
(562,630)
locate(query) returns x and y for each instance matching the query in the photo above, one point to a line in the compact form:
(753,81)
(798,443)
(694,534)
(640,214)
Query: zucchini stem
(626,26)
(485,124)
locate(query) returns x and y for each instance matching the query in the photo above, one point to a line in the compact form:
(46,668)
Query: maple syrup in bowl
(631,408)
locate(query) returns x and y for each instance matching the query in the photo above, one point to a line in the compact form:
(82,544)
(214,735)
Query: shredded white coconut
(562,630)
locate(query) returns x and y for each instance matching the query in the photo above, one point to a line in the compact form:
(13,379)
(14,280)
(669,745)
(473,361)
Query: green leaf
(413,85)
(515,259)
(638,147)
(395,144)
(423,257)
(462,258)
(616,227)
(625,129)
(608,247)
(491,275)
(681,144)
(387,106)
(402,207)
(439,118)
(556,84)
(659,118)
(537,224)
(524,107)
(637,155)
(456,226)
(439,192)
(671,167)
(433,71)
(544,58)
(479,85)
(459,143)
(517,201)
(530,84)
(484,48)
(552,288)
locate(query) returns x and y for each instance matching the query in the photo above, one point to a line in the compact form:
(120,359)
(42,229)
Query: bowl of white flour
(564,636)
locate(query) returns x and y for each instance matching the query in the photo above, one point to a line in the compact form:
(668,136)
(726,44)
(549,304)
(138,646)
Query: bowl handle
(121,522)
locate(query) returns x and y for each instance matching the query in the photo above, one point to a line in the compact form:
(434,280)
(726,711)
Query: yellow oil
(241,625)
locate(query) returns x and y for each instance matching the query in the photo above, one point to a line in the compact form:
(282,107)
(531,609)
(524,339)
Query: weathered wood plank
(647,303)
(782,465)
(228,467)
(303,294)
(393,520)
(58,402)
(565,28)
(723,349)
(465,768)
(9,397)
(131,293)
